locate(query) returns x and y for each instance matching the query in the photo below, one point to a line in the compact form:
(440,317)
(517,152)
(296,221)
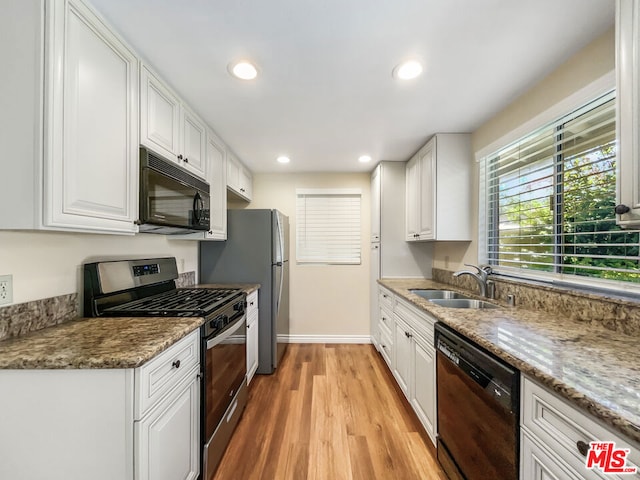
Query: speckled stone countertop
(104,342)
(591,366)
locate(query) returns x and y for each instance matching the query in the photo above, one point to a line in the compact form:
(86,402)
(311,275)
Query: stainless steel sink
(463,303)
(438,294)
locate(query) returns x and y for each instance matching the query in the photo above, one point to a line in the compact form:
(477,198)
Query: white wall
(583,68)
(47,264)
(324,299)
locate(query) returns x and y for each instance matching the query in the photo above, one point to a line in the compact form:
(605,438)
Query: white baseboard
(324,338)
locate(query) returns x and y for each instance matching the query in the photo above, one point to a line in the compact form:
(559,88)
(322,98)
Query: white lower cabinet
(406,344)
(402,364)
(535,464)
(167,440)
(423,395)
(252,335)
(74,424)
(415,368)
(555,437)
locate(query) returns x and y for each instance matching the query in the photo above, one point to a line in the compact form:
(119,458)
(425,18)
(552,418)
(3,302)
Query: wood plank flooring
(330,412)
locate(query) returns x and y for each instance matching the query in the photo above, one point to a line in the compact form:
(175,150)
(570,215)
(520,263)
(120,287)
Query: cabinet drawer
(385,298)
(536,464)
(156,378)
(386,322)
(560,426)
(416,319)
(386,348)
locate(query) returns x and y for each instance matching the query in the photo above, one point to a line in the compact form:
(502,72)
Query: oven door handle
(212,342)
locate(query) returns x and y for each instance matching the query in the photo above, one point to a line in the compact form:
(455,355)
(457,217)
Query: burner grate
(179,301)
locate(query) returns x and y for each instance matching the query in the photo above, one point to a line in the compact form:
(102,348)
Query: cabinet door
(193,143)
(375,203)
(628,121)
(427,186)
(374,313)
(402,364)
(91,141)
(159,116)
(217,175)
(412,198)
(168,439)
(423,379)
(233,173)
(246,183)
(252,346)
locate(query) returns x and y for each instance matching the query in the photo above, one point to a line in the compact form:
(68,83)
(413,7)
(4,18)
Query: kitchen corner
(586,363)
(149,355)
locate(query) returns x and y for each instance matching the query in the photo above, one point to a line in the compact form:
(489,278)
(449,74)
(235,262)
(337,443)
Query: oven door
(225,368)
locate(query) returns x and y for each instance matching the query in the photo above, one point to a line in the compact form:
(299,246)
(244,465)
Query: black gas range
(146,288)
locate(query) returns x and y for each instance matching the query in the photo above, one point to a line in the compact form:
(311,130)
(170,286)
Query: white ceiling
(325,94)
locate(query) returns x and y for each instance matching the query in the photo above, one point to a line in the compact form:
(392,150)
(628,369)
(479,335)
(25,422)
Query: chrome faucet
(487,286)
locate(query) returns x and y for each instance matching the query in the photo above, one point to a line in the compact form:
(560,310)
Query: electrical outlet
(6,289)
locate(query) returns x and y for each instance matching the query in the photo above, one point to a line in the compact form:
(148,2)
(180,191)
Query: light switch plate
(6,289)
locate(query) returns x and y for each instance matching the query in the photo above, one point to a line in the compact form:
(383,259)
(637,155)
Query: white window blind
(328,226)
(549,201)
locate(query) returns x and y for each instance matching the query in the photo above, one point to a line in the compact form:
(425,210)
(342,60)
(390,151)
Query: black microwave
(172,199)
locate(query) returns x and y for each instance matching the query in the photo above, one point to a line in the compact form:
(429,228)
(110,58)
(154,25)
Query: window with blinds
(328,226)
(550,201)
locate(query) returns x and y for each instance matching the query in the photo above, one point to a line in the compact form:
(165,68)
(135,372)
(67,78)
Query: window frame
(571,106)
(301,258)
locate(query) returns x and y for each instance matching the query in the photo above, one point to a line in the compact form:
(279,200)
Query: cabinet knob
(176,364)
(583,447)
(186,160)
(180,157)
(210,232)
(622,209)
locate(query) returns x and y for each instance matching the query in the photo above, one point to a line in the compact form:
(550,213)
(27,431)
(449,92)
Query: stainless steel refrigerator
(256,251)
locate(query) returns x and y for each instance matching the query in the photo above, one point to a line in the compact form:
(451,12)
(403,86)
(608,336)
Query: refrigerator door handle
(280,238)
(280,287)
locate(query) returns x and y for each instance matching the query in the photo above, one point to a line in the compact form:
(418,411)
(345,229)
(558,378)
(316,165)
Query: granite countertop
(105,342)
(593,367)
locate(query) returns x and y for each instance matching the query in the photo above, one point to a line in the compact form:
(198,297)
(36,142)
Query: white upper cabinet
(438,190)
(169,127)
(78,159)
(159,116)
(218,182)
(628,121)
(193,143)
(239,178)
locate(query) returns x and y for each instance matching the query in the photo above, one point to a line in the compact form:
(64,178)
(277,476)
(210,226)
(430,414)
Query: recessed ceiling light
(407,70)
(283,159)
(243,70)
(364,159)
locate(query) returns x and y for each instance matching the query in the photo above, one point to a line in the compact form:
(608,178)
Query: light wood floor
(331,412)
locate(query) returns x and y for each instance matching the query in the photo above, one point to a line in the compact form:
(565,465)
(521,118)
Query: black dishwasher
(478,410)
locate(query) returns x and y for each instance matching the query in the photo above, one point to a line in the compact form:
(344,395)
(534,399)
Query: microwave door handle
(198,205)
